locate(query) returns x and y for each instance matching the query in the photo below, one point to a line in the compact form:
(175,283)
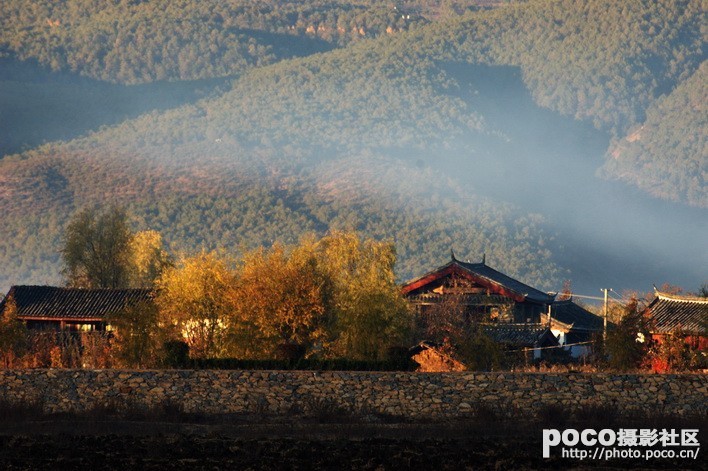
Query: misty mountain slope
(269,158)
(259,212)
(604,61)
(667,155)
(181,173)
(38,106)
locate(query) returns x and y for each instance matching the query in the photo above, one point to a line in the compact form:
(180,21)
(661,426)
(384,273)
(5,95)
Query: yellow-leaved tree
(147,258)
(369,313)
(138,337)
(195,298)
(281,303)
(13,336)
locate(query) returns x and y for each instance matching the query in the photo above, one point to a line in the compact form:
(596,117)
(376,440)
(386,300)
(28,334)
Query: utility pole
(604,316)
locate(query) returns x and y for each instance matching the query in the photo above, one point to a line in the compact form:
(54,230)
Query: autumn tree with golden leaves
(281,304)
(195,300)
(369,314)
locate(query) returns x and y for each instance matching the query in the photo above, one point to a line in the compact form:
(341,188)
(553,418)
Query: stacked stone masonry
(412,395)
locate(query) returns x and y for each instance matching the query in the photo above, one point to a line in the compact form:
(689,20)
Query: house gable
(480,278)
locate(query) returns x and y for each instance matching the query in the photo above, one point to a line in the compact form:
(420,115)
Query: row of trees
(329,297)
(333,297)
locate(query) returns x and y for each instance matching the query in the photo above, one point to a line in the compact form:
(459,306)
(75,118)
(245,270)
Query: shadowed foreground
(320,439)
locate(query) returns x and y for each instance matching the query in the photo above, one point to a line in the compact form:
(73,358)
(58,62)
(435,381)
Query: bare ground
(175,441)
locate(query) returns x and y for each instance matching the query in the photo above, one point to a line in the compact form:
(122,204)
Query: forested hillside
(403,136)
(667,155)
(143,41)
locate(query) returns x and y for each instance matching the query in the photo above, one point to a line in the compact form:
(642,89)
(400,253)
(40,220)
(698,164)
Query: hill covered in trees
(404,136)
(667,154)
(145,41)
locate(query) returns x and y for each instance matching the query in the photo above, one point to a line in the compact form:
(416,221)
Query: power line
(573,295)
(597,298)
(619,296)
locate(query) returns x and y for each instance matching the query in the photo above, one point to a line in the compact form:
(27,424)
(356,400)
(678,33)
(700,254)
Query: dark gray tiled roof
(481,269)
(71,303)
(570,313)
(520,335)
(670,312)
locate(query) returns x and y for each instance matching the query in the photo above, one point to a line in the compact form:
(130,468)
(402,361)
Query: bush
(339,364)
(675,352)
(176,354)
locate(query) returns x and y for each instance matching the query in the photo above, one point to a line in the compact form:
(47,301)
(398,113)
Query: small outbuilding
(530,338)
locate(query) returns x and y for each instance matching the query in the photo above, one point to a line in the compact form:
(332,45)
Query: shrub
(176,354)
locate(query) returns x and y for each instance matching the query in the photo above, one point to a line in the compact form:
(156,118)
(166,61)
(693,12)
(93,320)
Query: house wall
(576,351)
(406,394)
(58,325)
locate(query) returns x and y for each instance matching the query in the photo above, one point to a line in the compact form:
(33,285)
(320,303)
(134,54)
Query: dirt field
(105,441)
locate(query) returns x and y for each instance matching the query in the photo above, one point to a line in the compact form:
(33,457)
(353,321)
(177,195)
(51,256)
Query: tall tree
(138,336)
(369,312)
(628,343)
(195,297)
(282,301)
(96,252)
(147,258)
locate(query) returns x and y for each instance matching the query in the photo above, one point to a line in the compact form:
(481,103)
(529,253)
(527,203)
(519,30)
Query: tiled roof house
(55,308)
(482,289)
(669,313)
(508,310)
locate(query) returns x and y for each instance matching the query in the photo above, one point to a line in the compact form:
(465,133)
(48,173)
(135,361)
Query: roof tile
(71,303)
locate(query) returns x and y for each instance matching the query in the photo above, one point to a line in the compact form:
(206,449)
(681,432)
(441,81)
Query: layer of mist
(608,235)
(38,106)
(614,235)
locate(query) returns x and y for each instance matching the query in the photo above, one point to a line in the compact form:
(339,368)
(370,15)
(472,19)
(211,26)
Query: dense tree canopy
(369,314)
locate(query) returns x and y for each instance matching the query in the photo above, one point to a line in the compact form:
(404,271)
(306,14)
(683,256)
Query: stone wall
(415,395)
